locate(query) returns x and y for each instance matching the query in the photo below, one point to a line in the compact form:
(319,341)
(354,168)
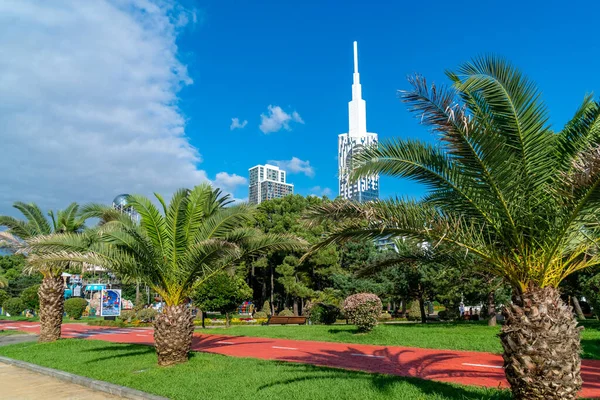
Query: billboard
(110,305)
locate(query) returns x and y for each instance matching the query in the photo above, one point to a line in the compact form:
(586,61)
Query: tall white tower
(366,188)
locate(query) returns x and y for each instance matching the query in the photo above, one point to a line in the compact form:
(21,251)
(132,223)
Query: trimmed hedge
(260,315)
(286,313)
(386,316)
(74,307)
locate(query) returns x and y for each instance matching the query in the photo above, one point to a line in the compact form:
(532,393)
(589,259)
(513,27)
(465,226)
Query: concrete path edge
(94,384)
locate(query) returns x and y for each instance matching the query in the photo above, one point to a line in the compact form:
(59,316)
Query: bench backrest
(287,320)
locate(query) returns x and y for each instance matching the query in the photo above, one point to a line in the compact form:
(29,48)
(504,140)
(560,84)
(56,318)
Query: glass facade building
(367,187)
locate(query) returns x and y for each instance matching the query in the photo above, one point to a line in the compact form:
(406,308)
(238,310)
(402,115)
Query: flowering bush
(363,310)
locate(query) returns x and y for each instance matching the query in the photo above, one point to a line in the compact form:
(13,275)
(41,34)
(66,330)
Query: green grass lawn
(448,336)
(18,318)
(10,332)
(211,376)
(66,320)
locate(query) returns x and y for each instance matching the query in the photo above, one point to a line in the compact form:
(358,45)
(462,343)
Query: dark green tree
(222,292)
(295,282)
(30,298)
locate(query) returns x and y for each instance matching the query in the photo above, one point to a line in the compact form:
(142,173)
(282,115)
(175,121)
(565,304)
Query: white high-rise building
(366,188)
(267,182)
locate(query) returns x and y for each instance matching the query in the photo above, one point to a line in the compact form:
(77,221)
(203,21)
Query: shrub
(13,306)
(74,307)
(325,314)
(101,322)
(286,313)
(266,308)
(146,314)
(30,298)
(260,315)
(386,316)
(3,296)
(363,309)
(414,312)
(127,315)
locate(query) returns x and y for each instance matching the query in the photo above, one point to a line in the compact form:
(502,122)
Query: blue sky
(136,96)
(247,55)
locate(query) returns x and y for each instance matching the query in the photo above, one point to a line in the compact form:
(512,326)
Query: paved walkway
(21,384)
(468,368)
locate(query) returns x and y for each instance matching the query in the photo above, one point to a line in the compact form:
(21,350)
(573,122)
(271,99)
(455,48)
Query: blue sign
(110,305)
(95,287)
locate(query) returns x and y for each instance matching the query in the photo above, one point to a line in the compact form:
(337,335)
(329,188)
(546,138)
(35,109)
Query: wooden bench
(277,320)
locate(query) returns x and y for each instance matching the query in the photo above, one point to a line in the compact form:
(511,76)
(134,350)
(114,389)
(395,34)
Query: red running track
(463,367)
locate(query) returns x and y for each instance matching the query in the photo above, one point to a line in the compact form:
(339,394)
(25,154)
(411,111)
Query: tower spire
(355,57)
(357,108)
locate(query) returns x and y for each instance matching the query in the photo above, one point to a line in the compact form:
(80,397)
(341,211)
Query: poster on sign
(110,305)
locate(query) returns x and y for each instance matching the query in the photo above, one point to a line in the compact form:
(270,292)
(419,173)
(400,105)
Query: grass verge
(10,332)
(219,377)
(446,336)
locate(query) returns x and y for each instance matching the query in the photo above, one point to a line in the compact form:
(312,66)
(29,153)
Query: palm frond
(221,222)
(35,217)
(519,115)
(102,212)
(152,222)
(17,227)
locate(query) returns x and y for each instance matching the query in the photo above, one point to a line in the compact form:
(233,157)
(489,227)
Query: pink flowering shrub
(363,310)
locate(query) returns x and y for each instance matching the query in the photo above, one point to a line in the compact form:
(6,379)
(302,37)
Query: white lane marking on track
(482,365)
(224,342)
(284,348)
(367,355)
(9,327)
(30,326)
(141,335)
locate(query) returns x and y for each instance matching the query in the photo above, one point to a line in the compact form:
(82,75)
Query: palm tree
(506,188)
(194,237)
(52,289)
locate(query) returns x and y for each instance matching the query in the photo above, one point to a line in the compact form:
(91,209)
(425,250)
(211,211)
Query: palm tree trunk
(227,320)
(577,307)
(173,330)
(52,302)
(295,306)
(492,308)
(541,347)
(403,312)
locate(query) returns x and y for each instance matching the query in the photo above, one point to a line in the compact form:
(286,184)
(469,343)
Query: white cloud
(236,124)
(277,119)
(319,191)
(227,182)
(88,101)
(295,166)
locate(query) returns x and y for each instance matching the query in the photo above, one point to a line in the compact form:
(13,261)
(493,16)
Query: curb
(93,384)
